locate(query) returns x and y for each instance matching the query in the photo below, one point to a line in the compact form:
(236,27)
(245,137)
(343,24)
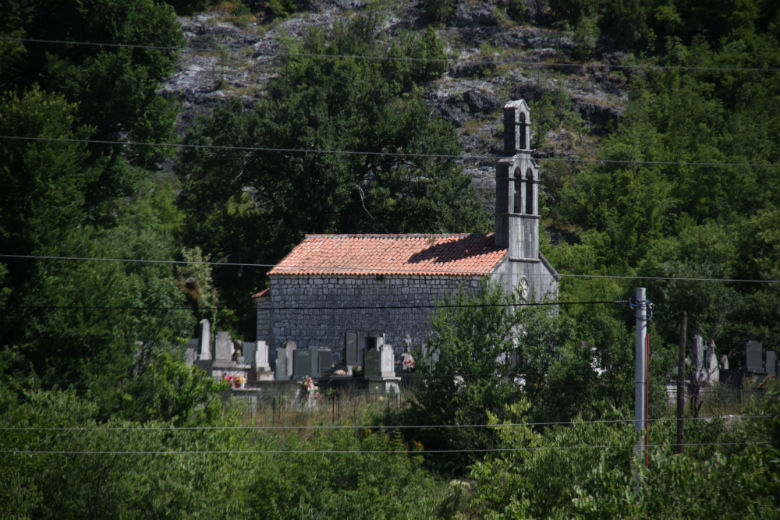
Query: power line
(668,278)
(331,308)
(384,154)
(524,63)
(365,452)
(372,427)
(133,260)
(370,271)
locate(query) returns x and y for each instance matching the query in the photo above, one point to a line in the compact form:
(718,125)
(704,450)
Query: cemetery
(713,383)
(370,367)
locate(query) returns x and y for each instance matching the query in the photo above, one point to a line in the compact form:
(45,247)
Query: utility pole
(640,304)
(681,386)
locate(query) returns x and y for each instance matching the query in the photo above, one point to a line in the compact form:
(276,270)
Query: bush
(517,10)
(438,11)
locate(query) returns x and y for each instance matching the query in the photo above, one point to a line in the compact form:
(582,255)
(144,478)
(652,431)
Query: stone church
(345,293)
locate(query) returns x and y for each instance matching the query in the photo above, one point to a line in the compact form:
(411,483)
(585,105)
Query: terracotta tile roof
(262,294)
(372,255)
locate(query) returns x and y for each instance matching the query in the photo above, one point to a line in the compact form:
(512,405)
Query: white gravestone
(261,356)
(387,361)
(205,340)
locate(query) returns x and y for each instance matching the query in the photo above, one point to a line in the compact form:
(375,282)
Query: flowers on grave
(308,386)
(407,361)
(236,381)
(357,370)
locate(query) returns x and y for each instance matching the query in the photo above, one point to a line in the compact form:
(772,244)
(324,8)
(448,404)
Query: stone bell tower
(517,192)
(517,207)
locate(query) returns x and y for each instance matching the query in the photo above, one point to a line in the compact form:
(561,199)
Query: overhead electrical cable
(382,153)
(373,427)
(282,54)
(337,308)
(369,271)
(363,452)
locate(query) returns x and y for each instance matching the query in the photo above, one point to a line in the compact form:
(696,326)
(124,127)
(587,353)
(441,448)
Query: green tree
(170,391)
(254,206)
(439,11)
(114,85)
(679,189)
(44,184)
(487,352)
(384,481)
(79,323)
(588,470)
(59,460)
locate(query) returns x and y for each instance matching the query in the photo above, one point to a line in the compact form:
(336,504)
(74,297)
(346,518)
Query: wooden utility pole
(681,386)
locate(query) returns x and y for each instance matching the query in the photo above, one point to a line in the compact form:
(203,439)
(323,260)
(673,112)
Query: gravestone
(260,361)
(372,364)
(698,352)
(302,363)
(337,358)
(710,365)
(325,360)
(771,363)
(223,347)
(290,347)
(380,371)
(205,340)
(261,356)
(248,350)
(280,374)
(387,361)
(322,358)
(754,358)
(191,355)
(353,352)
(380,362)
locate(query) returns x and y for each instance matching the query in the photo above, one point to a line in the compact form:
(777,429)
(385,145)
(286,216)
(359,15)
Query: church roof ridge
(388,235)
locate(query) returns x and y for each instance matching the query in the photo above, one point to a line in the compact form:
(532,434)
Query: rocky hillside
(493,60)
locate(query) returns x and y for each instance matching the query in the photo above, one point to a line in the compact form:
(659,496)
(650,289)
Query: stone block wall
(320,310)
(542,280)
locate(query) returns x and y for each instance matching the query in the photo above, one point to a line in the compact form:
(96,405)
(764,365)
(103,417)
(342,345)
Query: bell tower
(517,192)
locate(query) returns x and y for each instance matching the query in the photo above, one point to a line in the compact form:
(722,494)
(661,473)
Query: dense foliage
(114,86)
(100,417)
(688,189)
(482,349)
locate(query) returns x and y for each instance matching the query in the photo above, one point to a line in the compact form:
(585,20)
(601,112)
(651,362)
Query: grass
(331,409)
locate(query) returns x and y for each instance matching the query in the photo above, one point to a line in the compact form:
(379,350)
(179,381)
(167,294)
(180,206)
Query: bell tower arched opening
(523,131)
(518,198)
